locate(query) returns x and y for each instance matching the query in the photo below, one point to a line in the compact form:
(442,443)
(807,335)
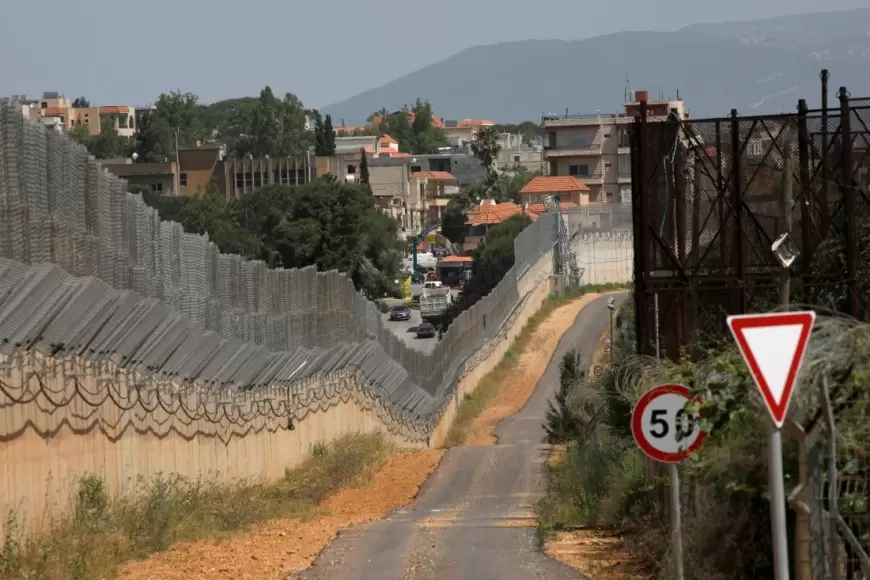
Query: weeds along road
(474,519)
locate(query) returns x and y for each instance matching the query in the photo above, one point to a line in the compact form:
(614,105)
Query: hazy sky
(120,53)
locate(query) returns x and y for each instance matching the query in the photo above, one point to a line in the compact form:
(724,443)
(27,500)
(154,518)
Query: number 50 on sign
(662,426)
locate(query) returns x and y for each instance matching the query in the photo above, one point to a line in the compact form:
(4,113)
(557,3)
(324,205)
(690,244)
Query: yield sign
(773,346)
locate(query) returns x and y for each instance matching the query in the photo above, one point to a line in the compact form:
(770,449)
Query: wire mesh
(220,319)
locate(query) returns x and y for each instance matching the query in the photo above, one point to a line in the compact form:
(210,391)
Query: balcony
(596,177)
(624,178)
(582,119)
(572,152)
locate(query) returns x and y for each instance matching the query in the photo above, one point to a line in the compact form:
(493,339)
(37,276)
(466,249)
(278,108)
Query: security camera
(611,304)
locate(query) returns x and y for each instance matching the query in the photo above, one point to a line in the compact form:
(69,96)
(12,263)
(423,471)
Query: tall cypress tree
(329,136)
(319,136)
(363,166)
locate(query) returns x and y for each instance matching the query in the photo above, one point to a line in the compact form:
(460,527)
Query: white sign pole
(667,432)
(676,519)
(776,483)
(773,346)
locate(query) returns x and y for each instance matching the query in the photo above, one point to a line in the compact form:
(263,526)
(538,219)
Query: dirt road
(474,518)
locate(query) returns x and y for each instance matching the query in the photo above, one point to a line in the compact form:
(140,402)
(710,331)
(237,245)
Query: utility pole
(774,435)
(177,167)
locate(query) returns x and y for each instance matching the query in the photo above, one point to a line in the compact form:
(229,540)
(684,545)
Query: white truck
(434,301)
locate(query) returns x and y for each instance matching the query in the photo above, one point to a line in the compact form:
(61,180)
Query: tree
(399,128)
(320,142)
(486,148)
(427,137)
(329,136)
(493,258)
(146,140)
(328,224)
(271,126)
(81,103)
(176,113)
(335,225)
(363,167)
(108,144)
(563,422)
(80,134)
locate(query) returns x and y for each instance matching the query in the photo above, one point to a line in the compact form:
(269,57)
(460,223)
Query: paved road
(474,518)
(401,329)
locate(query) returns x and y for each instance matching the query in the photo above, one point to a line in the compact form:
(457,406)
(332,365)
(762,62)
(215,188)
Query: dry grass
(489,387)
(103,531)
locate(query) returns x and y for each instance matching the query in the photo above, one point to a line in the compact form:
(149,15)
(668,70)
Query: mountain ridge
(715,67)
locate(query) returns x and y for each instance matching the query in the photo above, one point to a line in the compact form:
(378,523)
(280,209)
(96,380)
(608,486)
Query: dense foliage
(493,257)
(327,224)
(603,481)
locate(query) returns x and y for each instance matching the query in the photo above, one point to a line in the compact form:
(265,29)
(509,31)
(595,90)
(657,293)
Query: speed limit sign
(663,428)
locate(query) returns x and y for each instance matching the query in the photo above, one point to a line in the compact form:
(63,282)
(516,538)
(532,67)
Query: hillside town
(244,339)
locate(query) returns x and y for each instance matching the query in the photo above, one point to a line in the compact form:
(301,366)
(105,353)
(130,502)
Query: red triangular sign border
(740,322)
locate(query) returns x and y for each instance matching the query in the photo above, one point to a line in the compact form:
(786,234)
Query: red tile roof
(455,259)
(436,175)
(539,208)
(114,110)
(489,214)
(53,111)
(541,184)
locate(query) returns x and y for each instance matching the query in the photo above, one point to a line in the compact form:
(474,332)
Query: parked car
(400,312)
(426,330)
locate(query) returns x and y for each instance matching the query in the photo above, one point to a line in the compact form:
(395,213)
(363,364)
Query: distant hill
(756,67)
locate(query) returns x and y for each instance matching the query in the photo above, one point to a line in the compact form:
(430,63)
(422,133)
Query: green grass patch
(594,485)
(103,531)
(473,404)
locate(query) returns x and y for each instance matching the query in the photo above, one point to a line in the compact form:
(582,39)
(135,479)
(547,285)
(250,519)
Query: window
(625,193)
(157,187)
(624,140)
(240,179)
(578,141)
(516,158)
(625,164)
(607,135)
(249,179)
(580,170)
(416,169)
(351,169)
(182,179)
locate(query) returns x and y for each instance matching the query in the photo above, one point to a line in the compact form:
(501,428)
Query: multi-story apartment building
(594,148)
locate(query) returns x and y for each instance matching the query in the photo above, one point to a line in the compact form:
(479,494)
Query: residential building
(236,178)
(391,185)
(435,189)
(489,213)
(594,148)
(570,191)
(515,153)
(158,177)
(206,165)
(464,131)
(467,169)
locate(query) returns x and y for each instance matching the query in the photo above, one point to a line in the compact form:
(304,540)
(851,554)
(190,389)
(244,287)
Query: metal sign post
(773,346)
(668,433)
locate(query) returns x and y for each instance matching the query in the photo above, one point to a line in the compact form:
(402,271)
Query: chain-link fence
(171,304)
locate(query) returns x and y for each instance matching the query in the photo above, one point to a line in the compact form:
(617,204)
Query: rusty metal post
(823,215)
(640,219)
(848,188)
(679,224)
(737,204)
(807,203)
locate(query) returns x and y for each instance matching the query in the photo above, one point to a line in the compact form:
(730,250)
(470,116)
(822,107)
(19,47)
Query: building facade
(594,148)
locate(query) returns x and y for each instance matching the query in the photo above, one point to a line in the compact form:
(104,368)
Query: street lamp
(611,305)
